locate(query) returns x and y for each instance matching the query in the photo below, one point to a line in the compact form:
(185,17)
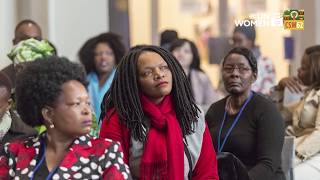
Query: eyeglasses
(241,69)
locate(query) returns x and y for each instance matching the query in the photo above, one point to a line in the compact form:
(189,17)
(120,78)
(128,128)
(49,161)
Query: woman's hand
(292,83)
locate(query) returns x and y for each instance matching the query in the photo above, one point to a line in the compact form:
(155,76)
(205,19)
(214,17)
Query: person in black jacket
(246,123)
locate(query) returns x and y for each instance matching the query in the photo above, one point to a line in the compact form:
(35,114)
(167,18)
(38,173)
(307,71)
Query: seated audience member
(246,123)
(11,126)
(52,92)
(150,110)
(100,56)
(245,36)
(187,54)
(27,51)
(303,115)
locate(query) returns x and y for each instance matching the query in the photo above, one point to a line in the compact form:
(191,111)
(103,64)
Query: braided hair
(123,94)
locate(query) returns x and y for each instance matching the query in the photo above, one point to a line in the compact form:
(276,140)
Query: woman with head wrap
(29,50)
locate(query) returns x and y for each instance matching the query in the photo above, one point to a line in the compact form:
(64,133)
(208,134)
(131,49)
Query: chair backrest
(287,157)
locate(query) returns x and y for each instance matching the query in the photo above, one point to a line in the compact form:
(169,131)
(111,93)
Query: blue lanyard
(220,147)
(40,163)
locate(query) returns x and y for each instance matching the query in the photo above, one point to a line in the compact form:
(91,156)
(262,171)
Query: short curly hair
(39,84)
(86,53)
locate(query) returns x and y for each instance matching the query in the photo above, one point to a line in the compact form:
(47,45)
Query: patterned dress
(88,158)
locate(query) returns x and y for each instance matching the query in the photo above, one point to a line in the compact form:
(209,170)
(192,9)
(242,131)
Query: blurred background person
(167,37)
(28,50)
(52,92)
(25,52)
(303,115)
(246,123)
(24,30)
(245,36)
(100,56)
(187,54)
(150,110)
(11,126)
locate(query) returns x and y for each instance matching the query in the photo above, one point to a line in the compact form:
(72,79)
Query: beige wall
(7,24)
(72,22)
(271,40)
(68,24)
(171,17)
(140,22)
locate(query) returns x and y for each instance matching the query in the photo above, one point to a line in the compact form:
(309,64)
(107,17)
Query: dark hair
(247,54)
(26,21)
(195,53)
(248,31)
(168,36)
(39,85)
(86,53)
(5,82)
(123,94)
(313,54)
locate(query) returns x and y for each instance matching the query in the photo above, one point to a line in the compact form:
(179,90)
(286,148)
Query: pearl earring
(51,126)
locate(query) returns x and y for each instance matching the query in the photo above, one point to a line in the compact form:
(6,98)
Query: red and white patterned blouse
(88,158)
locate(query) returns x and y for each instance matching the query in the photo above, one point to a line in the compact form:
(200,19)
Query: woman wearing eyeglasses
(245,123)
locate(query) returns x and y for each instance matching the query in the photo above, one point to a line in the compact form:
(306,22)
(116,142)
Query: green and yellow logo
(293,19)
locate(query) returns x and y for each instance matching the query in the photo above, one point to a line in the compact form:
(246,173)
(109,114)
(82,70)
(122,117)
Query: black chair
(231,168)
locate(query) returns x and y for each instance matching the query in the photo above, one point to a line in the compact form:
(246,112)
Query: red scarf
(163,155)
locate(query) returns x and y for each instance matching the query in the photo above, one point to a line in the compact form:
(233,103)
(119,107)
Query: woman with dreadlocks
(150,110)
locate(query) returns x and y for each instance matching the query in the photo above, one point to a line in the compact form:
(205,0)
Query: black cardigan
(257,138)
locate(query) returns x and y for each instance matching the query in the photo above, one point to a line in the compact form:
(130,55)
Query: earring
(51,126)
